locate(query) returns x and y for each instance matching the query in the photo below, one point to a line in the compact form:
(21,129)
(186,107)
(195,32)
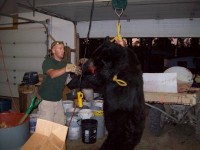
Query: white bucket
(98,103)
(74,133)
(88,94)
(88,104)
(74,128)
(96,95)
(85,113)
(98,115)
(70,111)
(67,104)
(101,126)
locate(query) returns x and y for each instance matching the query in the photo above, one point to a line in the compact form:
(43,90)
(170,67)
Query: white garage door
(24,50)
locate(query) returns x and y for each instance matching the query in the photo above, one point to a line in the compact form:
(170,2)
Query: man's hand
(73,68)
(83,60)
(121,42)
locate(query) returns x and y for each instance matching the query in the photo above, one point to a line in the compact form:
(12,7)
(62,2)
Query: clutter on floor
(84,123)
(48,135)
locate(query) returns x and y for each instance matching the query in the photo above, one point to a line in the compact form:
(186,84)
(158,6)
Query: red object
(92,69)
(11,119)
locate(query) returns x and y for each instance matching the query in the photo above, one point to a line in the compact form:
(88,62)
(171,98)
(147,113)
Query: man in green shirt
(56,70)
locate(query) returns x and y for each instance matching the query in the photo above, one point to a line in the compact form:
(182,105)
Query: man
(56,70)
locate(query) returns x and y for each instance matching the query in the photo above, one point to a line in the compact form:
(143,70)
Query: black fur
(123,105)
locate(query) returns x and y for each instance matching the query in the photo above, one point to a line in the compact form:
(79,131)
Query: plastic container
(85,113)
(67,104)
(96,95)
(101,126)
(33,121)
(98,115)
(89,130)
(74,128)
(86,104)
(88,94)
(98,103)
(70,111)
(5,104)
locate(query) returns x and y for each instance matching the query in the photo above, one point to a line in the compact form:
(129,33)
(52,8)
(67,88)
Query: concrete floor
(173,137)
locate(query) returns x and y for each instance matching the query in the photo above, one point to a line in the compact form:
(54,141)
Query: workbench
(184,98)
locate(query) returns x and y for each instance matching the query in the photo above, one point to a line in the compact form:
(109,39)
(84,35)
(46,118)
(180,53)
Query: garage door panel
(4,90)
(23,64)
(23,36)
(25,50)
(14,77)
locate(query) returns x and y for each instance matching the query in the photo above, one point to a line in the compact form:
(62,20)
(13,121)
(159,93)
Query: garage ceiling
(79,10)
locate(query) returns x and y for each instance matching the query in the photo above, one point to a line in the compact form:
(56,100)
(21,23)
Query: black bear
(117,74)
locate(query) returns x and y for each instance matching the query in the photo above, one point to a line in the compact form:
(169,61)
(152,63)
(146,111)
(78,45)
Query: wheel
(197,126)
(156,119)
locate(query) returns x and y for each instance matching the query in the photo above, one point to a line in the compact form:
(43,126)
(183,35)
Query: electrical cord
(87,39)
(88,34)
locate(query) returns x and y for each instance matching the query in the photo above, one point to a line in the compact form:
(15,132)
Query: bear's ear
(97,51)
(107,39)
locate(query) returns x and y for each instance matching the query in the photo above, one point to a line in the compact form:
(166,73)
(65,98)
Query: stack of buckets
(86,123)
(98,115)
(72,120)
(88,126)
(92,124)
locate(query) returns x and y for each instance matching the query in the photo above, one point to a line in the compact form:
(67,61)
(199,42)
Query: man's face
(58,51)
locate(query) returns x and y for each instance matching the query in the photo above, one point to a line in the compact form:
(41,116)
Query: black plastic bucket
(89,130)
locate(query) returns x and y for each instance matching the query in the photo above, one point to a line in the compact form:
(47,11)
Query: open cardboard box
(48,136)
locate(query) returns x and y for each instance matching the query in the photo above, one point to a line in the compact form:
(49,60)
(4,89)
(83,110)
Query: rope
(118,36)
(119,81)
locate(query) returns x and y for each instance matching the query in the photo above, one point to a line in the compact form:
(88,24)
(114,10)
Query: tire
(197,127)
(156,120)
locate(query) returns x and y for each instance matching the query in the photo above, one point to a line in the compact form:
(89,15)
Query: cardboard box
(48,136)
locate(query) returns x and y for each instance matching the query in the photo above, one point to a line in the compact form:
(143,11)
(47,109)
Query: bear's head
(108,60)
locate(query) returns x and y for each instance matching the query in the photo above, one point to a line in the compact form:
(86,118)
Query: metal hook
(117,12)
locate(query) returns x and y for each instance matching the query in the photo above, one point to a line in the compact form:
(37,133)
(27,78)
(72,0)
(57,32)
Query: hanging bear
(117,74)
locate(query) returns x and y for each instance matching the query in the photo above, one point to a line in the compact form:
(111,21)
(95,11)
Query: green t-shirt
(52,89)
